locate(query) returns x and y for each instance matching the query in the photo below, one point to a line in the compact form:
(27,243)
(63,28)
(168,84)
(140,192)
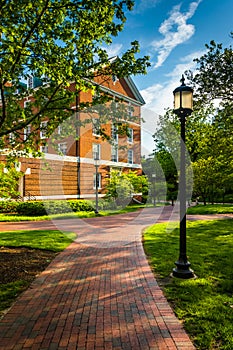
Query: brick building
(84,157)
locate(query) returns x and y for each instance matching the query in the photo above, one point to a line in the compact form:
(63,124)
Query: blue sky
(172,33)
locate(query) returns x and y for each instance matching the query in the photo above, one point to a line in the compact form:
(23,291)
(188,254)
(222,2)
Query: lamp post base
(182,270)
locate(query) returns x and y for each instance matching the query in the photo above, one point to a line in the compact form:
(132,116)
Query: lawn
(24,254)
(205,304)
(211,209)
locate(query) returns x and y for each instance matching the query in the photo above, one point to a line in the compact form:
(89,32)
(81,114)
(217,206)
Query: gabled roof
(134,90)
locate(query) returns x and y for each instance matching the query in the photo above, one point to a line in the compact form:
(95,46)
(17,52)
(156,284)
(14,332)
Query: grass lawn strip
(211,209)
(205,304)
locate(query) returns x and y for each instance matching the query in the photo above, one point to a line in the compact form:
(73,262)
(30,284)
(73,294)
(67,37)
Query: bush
(34,208)
(37,208)
(81,205)
(8,206)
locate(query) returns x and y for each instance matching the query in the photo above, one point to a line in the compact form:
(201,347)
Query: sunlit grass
(38,239)
(211,209)
(205,303)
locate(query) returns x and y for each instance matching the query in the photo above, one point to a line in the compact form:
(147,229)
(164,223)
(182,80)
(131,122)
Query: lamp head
(183,99)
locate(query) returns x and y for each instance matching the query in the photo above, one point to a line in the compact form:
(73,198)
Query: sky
(172,33)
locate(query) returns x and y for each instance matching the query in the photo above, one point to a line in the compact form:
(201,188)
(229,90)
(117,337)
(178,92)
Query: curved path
(99,293)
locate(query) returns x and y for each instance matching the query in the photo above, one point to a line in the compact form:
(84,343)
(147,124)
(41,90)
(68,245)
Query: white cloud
(158,97)
(143,5)
(175,31)
(113,50)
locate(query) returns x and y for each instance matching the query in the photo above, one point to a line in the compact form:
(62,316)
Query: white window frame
(130,109)
(131,133)
(59,129)
(114,133)
(96,151)
(114,153)
(96,126)
(130,156)
(26,103)
(12,137)
(26,132)
(30,82)
(44,149)
(62,148)
(43,132)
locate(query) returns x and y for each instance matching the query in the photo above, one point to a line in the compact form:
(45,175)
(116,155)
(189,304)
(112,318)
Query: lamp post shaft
(182,256)
(183,102)
(182,269)
(96,189)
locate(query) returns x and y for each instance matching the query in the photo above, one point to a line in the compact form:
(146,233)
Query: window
(43,130)
(96,127)
(98,177)
(12,137)
(130,135)
(59,129)
(114,154)
(26,103)
(114,133)
(96,151)
(130,156)
(130,109)
(44,148)
(26,132)
(30,82)
(62,148)
(114,79)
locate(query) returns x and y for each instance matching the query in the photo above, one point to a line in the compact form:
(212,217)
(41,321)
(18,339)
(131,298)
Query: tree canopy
(214,77)
(209,130)
(56,43)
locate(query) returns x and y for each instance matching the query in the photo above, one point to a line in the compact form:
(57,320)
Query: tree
(55,43)
(214,78)
(161,171)
(214,81)
(9,182)
(121,186)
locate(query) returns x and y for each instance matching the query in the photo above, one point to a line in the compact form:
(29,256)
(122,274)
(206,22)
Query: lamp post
(183,104)
(96,163)
(154,193)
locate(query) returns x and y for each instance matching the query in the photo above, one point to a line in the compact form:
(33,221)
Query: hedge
(40,208)
(8,206)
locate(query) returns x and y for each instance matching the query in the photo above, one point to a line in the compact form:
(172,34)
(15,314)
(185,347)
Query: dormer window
(114,79)
(30,83)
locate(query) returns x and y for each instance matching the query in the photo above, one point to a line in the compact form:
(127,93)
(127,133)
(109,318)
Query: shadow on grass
(205,304)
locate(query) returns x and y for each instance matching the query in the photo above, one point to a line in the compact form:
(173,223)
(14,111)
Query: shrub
(34,208)
(39,208)
(8,206)
(81,205)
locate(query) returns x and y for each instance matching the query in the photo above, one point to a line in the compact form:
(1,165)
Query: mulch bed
(23,263)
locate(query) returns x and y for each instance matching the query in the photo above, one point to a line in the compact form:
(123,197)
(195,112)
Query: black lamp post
(96,163)
(154,182)
(183,104)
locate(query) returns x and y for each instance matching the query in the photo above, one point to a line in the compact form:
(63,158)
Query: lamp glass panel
(187,99)
(177,100)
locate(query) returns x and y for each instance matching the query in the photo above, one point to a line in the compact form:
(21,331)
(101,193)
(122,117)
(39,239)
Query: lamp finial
(182,80)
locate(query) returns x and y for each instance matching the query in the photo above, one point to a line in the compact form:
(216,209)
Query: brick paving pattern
(99,293)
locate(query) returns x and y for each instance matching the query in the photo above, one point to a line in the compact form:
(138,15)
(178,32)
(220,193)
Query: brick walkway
(98,294)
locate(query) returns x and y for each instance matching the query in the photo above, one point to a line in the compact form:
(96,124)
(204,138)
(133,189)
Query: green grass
(35,239)
(211,209)
(53,240)
(205,303)
(17,218)
(73,215)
